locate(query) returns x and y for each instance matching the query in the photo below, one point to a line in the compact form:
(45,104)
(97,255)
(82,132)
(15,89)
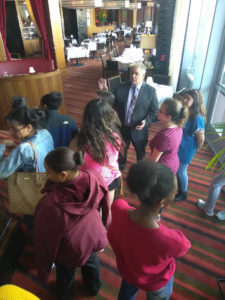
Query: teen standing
(145,249)
(68,227)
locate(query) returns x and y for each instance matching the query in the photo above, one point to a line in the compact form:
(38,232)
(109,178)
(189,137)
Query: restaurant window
(198,32)
(218,114)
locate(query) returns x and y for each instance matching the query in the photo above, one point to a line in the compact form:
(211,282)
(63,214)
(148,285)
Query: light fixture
(148,41)
(136,5)
(98,3)
(115,4)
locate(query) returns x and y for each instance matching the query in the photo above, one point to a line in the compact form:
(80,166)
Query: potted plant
(101,16)
(219,157)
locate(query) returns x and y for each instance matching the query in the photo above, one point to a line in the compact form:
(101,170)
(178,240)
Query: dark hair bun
(18,101)
(63,159)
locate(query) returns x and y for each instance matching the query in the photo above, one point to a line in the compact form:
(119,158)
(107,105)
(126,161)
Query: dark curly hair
(150,181)
(18,101)
(100,124)
(25,116)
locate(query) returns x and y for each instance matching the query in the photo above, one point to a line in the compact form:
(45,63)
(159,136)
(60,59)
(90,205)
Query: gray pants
(214,190)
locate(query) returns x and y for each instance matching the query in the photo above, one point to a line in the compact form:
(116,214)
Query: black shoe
(181,196)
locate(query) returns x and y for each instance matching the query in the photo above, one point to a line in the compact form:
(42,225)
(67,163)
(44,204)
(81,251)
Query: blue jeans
(214,190)
(129,291)
(183,177)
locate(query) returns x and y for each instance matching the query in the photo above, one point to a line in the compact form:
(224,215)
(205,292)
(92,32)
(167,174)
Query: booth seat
(21,66)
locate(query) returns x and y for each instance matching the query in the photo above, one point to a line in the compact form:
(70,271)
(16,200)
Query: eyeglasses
(17,129)
(162,112)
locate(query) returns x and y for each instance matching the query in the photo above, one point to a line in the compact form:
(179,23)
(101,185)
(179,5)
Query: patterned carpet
(197,272)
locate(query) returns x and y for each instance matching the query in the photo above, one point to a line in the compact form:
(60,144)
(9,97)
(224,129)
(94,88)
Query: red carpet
(197,272)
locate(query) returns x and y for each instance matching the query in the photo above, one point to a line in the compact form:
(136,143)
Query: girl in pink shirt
(165,144)
(100,141)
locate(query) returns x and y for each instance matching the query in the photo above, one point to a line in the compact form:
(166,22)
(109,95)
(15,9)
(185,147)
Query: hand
(102,84)
(141,125)
(9,143)
(41,195)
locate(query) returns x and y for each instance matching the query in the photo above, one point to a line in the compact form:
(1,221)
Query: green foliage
(219,129)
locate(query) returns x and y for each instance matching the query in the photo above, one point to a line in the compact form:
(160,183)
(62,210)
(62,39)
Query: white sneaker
(202,205)
(221,215)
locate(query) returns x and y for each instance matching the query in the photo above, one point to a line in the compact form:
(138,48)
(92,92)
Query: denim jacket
(22,157)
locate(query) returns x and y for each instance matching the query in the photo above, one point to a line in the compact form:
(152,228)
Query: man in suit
(137,105)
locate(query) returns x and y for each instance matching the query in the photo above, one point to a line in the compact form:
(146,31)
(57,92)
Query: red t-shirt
(168,141)
(145,257)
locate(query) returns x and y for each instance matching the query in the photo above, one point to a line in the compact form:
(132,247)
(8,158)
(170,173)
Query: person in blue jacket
(62,127)
(24,125)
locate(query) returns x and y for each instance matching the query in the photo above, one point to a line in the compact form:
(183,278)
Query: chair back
(114,52)
(112,68)
(104,61)
(100,46)
(111,54)
(113,83)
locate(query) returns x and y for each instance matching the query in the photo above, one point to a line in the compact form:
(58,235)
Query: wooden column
(134,18)
(2,50)
(120,16)
(92,16)
(54,25)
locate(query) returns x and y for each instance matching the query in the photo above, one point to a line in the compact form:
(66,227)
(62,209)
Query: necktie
(130,111)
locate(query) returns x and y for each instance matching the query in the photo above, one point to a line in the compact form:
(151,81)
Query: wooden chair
(114,52)
(111,55)
(104,65)
(117,50)
(112,68)
(100,49)
(113,83)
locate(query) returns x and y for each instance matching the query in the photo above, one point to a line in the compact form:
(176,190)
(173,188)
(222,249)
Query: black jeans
(65,278)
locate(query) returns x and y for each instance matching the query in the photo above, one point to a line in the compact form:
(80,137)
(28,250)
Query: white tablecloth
(76,52)
(91,46)
(162,91)
(129,57)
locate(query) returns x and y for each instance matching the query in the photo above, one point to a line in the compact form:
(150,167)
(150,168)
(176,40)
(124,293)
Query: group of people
(79,211)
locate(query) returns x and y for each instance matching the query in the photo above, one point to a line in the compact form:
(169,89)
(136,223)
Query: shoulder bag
(23,189)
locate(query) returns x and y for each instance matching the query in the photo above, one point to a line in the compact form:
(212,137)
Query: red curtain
(38,10)
(3,27)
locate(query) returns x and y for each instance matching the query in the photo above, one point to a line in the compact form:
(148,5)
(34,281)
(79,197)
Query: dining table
(76,53)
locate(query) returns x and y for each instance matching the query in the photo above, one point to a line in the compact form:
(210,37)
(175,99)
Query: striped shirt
(168,140)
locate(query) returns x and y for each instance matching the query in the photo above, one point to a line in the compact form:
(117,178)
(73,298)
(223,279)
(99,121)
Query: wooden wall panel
(56,32)
(2,50)
(33,87)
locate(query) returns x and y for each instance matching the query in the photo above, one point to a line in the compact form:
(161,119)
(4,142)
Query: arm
(155,155)
(152,113)
(2,151)
(180,244)
(199,138)
(47,236)
(15,161)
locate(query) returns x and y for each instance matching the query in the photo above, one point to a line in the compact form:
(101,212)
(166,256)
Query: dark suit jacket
(145,109)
